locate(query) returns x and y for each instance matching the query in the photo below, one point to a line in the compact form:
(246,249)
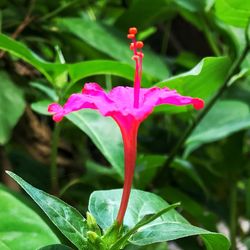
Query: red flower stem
(130,145)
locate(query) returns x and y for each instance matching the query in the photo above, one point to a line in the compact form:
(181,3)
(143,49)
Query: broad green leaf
(233,12)
(68,220)
(81,70)
(225,118)
(102,38)
(202,81)
(51,71)
(41,107)
(55,247)
(3,246)
(12,106)
(104,133)
(104,205)
(76,71)
(147,219)
(20,227)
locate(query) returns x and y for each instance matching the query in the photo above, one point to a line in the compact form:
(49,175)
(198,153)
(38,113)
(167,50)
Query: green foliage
(55,247)
(225,118)
(100,37)
(233,12)
(196,47)
(20,227)
(12,106)
(168,226)
(68,220)
(107,140)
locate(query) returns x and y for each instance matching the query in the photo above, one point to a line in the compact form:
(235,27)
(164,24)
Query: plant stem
(233,214)
(202,114)
(53,167)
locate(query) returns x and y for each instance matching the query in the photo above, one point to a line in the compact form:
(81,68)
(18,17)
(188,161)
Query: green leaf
(77,71)
(81,70)
(143,222)
(52,71)
(104,206)
(195,5)
(203,80)
(20,227)
(225,118)
(3,246)
(104,133)
(55,247)
(51,93)
(103,38)
(68,220)
(41,107)
(12,106)
(233,12)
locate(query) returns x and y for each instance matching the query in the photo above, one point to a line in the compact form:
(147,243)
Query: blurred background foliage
(50,48)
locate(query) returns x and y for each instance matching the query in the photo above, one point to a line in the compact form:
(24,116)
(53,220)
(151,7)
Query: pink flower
(128,107)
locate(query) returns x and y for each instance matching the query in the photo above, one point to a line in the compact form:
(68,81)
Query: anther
(135,58)
(131,36)
(132,46)
(132,30)
(140,54)
(139,45)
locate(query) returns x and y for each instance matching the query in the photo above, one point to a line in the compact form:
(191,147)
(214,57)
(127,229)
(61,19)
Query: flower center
(136,46)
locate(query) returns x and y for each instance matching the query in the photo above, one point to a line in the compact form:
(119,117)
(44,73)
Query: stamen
(132,46)
(139,45)
(131,36)
(140,54)
(137,57)
(132,30)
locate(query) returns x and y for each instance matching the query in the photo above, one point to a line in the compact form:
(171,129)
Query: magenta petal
(54,107)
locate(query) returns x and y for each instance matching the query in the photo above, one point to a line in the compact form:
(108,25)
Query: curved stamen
(138,64)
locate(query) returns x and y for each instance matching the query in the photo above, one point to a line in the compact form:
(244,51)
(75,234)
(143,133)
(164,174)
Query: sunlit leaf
(68,220)
(20,227)
(201,81)
(233,12)
(104,206)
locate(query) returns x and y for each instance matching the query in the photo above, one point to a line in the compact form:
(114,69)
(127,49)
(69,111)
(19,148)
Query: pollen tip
(132,46)
(139,44)
(198,103)
(135,57)
(130,36)
(132,30)
(140,54)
